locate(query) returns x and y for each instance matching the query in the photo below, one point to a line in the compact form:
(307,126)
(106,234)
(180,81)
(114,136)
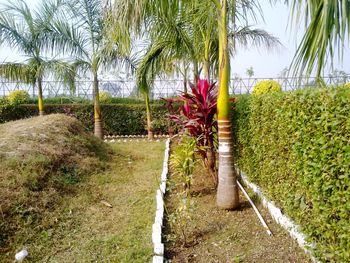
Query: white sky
(265,64)
(270,64)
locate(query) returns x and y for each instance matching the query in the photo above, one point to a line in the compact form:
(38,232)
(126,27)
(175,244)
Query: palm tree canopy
(187,31)
(89,36)
(25,31)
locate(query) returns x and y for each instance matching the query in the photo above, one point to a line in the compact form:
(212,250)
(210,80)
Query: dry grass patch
(53,179)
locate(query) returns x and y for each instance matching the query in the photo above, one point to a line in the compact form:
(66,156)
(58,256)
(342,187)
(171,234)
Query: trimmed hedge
(79,100)
(296,146)
(118,118)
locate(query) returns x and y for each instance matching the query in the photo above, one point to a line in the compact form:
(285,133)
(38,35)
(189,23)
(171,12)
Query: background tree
(94,41)
(26,31)
(249,72)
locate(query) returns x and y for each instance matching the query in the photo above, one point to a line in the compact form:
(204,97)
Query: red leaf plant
(196,117)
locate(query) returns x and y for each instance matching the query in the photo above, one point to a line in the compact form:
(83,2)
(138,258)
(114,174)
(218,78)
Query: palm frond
(49,11)
(151,64)
(13,33)
(67,38)
(88,16)
(20,10)
(327,27)
(246,36)
(18,72)
(133,12)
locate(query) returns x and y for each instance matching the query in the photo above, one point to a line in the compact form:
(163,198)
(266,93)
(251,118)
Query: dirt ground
(214,235)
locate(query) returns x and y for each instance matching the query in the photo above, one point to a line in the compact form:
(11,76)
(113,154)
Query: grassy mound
(42,161)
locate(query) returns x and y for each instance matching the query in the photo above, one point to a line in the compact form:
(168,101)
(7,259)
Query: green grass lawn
(84,229)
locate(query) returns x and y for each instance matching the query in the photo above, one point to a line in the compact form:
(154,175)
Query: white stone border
(279,217)
(133,138)
(158,246)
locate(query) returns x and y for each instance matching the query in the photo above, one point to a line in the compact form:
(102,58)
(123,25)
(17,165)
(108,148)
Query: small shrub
(182,161)
(18,97)
(182,220)
(105,97)
(196,116)
(266,86)
(347,85)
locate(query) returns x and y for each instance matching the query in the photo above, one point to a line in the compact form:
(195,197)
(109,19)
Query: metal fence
(161,88)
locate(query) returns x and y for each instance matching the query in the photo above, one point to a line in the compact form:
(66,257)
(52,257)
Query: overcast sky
(265,64)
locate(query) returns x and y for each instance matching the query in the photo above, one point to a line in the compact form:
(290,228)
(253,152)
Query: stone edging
(158,246)
(281,219)
(109,137)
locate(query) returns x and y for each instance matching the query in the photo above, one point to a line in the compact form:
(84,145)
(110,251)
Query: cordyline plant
(197,118)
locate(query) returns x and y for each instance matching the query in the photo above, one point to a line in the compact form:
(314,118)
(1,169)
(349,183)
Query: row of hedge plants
(105,99)
(118,119)
(296,146)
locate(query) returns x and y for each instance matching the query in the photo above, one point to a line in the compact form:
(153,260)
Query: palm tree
(227,191)
(229,11)
(183,31)
(25,31)
(328,27)
(89,37)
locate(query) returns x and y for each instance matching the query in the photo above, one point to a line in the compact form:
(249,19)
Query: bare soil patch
(213,235)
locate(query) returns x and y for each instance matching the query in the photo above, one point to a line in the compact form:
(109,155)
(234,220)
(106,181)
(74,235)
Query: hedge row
(79,100)
(296,146)
(121,119)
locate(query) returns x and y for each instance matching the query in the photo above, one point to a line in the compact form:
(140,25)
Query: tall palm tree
(229,12)
(182,31)
(25,31)
(190,23)
(89,39)
(227,191)
(328,27)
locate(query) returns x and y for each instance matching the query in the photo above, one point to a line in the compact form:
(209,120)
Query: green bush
(347,85)
(119,119)
(266,86)
(79,100)
(296,146)
(105,97)
(66,100)
(18,97)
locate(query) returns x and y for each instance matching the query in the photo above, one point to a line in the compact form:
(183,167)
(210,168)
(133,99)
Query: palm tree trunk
(40,97)
(185,78)
(195,72)
(211,163)
(227,191)
(206,69)
(149,121)
(98,129)
(206,62)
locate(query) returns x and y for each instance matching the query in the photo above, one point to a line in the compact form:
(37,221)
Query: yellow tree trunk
(227,191)
(40,97)
(149,121)
(98,129)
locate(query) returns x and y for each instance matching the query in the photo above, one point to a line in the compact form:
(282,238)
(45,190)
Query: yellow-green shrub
(105,97)
(347,85)
(266,86)
(18,97)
